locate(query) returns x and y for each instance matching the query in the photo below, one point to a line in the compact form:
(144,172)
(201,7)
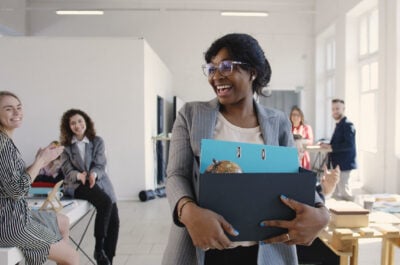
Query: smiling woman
(11,112)
(39,238)
(84,166)
(237,69)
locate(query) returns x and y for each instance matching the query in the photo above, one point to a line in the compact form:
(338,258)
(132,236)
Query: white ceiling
(287,34)
(273,6)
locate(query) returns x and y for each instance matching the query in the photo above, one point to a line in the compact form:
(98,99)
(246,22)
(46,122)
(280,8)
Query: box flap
(347,208)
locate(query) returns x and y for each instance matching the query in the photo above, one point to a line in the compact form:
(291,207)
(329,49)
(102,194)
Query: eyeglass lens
(225,68)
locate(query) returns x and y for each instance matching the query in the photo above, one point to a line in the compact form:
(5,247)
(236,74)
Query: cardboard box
(243,183)
(348,214)
(246,199)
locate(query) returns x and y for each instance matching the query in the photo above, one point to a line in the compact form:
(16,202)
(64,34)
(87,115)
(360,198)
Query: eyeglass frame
(217,68)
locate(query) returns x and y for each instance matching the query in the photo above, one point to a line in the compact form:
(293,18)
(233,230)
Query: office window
(325,82)
(369,33)
(330,65)
(397,106)
(369,76)
(330,55)
(369,72)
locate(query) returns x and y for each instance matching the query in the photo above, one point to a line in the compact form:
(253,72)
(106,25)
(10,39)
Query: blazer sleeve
(67,167)
(285,131)
(14,180)
(99,161)
(180,163)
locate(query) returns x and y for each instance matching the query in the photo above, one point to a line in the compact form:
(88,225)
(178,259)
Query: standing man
(343,145)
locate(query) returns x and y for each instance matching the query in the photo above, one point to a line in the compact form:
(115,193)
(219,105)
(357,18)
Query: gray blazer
(95,161)
(195,121)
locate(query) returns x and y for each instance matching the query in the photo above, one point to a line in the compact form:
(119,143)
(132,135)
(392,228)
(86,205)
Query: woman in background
(40,235)
(303,135)
(84,167)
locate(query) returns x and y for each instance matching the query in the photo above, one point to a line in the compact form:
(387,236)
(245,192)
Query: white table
(75,211)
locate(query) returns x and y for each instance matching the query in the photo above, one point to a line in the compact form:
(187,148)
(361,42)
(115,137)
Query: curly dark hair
(66,134)
(244,48)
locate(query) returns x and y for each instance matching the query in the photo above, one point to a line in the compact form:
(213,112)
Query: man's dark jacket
(343,144)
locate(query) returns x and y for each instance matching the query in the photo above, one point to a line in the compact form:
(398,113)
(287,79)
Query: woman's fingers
(207,229)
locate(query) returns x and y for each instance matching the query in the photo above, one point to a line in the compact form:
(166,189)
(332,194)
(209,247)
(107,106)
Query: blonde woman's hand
(45,155)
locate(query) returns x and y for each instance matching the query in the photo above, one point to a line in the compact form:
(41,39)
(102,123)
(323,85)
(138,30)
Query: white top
(224,130)
(81,146)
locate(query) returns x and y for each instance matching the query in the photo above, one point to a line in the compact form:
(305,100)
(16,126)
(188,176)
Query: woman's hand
(82,177)
(43,157)
(207,228)
(92,180)
(49,153)
(329,180)
(304,228)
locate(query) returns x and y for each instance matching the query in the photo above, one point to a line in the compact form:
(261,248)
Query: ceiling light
(80,12)
(244,14)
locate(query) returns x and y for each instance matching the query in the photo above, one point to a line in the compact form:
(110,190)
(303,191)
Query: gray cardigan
(195,121)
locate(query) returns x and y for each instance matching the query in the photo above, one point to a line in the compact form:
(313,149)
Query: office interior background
(118,64)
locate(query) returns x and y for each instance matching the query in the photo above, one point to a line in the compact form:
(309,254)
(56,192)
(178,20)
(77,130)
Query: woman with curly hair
(84,167)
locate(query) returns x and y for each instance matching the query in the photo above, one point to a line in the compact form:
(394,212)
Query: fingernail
(262,224)
(235,232)
(284,197)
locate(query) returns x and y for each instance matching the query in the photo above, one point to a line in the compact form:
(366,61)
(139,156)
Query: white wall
(104,77)
(180,38)
(157,82)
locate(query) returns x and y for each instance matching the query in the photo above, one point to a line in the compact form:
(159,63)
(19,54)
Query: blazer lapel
(88,156)
(205,124)
(267,124)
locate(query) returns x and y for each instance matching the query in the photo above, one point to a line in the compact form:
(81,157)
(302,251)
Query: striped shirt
(17,226)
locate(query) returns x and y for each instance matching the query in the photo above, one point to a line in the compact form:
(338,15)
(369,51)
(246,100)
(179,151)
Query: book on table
(348,214)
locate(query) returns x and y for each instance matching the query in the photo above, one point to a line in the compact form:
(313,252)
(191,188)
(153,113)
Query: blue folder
(252,158)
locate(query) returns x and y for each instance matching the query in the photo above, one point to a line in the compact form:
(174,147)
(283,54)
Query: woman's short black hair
(244,48)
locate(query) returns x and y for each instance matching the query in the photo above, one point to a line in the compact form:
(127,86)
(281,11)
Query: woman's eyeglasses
(225,68)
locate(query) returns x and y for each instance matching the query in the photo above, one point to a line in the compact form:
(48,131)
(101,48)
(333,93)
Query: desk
(320,158)
(344,241)
(388,245)
(75,212)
